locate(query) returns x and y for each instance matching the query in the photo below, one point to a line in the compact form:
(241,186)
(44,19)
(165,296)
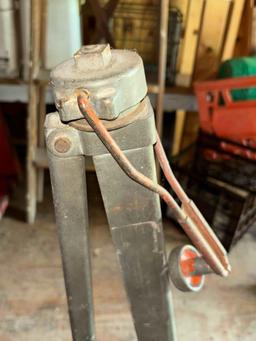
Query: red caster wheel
(187,268)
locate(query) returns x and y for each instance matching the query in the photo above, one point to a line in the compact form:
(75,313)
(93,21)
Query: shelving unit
(39,78)
(38,84)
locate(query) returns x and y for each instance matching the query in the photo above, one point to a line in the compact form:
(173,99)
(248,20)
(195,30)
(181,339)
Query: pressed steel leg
(135,221)
(70,201)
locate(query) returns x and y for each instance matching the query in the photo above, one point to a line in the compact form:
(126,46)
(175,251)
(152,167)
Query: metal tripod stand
(112,121)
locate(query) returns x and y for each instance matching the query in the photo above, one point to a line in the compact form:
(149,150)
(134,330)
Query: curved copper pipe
(189,205)
(214,260)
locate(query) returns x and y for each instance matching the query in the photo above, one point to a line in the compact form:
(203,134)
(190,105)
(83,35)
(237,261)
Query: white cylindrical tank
(63,36)
(8,43)
(25,36)
(63,32)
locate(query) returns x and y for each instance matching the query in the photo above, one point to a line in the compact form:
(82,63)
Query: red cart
(229,119)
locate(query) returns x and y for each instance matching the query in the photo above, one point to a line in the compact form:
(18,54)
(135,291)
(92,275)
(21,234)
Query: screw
(62,145)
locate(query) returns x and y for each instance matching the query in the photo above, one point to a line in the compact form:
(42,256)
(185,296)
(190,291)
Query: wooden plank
(243,46)
(41,140)
(189,126)
(178,131)
(35,46)
(32,143)
(32,130)
(41,101)
(233,29)
(164,18)
(253,41)
(43,27)
(190,43)
(211,40)
(162,59)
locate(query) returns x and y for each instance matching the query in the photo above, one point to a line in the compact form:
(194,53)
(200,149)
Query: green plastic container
(239,67)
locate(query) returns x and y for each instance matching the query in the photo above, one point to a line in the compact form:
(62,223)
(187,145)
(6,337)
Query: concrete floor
(32,297)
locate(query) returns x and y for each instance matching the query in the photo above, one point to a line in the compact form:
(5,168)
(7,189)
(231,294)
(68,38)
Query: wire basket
(135,26)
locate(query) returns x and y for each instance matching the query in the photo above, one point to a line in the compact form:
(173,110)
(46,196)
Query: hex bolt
(62,145)
(93,57)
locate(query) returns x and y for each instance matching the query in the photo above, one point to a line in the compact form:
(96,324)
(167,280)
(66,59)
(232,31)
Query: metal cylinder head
(114,78)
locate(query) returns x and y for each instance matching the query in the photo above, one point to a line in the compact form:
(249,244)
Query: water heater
(8,43)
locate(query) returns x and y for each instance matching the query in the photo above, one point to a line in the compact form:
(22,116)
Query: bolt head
(93,57)
(62,145)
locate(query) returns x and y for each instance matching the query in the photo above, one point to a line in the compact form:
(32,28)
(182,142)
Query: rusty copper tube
(189,206)
(188,225)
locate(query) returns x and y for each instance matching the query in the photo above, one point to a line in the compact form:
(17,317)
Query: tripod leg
(70,201)
(134,217)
